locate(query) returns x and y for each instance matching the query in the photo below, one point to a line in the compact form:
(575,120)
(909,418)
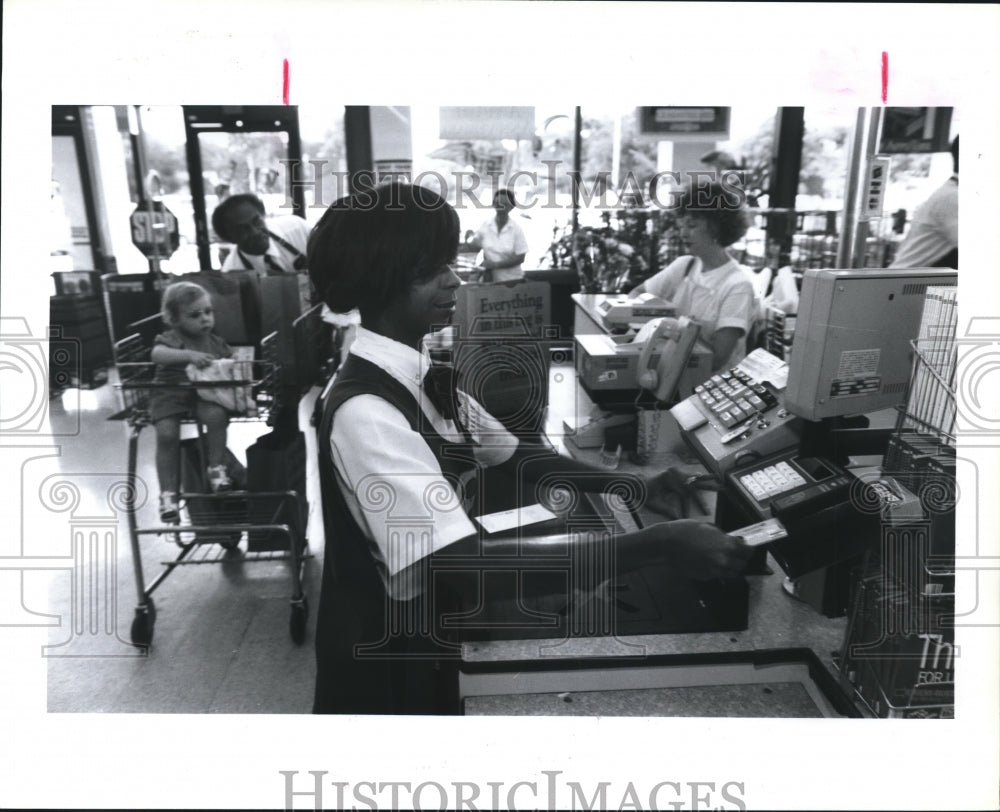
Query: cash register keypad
(734,396)
(770,481)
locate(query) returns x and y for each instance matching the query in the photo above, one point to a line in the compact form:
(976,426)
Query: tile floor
(221,641)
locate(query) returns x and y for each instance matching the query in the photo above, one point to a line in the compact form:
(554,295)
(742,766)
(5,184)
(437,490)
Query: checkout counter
(649,643)
(844,446)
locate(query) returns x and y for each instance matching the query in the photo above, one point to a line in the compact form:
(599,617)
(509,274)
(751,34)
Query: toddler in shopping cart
(189,339)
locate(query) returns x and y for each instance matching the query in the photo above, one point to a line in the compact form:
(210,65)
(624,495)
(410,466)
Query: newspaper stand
(234,513)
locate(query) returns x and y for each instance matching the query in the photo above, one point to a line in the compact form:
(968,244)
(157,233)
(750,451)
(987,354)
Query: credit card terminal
(789,486)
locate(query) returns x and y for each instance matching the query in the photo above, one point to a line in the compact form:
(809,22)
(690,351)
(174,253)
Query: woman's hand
(201,359)
(671,492)
(702,552)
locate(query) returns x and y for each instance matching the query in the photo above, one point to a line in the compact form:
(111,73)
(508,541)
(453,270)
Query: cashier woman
(706,284)
(399,466)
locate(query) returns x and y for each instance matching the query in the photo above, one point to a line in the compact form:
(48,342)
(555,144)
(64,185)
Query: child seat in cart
(270,523)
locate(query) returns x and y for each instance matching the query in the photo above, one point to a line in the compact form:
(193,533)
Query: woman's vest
(374,654)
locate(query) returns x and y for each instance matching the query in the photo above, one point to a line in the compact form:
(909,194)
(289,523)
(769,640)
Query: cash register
(737,415)
(782,436)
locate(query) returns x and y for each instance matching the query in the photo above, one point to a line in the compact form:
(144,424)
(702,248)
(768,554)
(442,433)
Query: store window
(69,233)
(235,163)
(253,159)
(75,238)
(324,157)
(618,160)
(244,163)
(532,153)
(161,130)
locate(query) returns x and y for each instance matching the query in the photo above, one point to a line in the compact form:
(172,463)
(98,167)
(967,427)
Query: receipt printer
(619,312)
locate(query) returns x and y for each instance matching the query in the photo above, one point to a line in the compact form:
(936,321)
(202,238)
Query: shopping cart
(212,525)
(898,650)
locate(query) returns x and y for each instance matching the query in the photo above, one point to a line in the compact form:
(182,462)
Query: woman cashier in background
(399,462)
(502,242)
(706,284)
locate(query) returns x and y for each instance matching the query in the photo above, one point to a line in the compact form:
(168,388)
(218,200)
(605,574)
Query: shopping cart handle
(211,528)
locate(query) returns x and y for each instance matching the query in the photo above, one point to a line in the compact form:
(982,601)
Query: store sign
(878,177)
(907,130)
(154,229)
(677,123)
(486,123)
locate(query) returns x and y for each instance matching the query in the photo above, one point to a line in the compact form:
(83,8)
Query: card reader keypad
(768,482)
(734,396)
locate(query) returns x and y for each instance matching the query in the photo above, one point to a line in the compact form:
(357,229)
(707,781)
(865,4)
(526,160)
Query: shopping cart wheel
(297,622)
(142,624)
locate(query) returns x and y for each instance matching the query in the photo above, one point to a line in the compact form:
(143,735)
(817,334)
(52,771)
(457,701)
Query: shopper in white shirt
(706,284)
(399,465)
(269,245)
(932,241)
(502,242)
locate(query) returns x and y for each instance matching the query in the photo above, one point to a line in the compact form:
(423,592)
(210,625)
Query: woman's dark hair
(504,194)
(369,248)
(220,216)
(722,207)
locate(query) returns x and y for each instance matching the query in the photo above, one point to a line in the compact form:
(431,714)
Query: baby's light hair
(176,297)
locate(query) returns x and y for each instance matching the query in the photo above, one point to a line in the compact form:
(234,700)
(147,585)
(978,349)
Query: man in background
(273,246)
(932,241)
(270,245)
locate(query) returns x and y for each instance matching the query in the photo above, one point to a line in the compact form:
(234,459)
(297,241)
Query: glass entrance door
(238,150)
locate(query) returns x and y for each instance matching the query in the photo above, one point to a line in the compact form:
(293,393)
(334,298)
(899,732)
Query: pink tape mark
(885,76)
(284,82)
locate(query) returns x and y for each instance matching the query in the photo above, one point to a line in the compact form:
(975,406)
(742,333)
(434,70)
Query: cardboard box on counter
(504,308)
(500,344)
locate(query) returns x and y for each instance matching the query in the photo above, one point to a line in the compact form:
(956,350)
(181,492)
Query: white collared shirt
(293,230)
(500,246)
(390,479)
(716,298)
